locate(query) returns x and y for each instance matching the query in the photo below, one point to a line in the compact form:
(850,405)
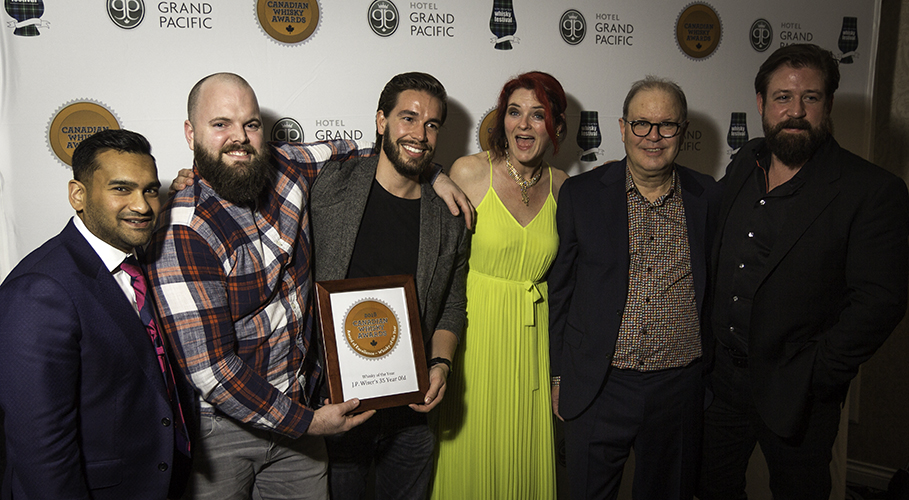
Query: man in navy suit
(626,299)
(88,408)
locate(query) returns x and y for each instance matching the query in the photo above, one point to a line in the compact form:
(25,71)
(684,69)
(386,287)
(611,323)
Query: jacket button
(162,466)
(165,422)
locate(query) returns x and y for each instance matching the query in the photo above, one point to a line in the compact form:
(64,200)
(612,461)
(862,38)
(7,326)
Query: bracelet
(440,361)
(555,381)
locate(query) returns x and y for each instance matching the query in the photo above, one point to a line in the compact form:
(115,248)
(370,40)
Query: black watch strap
(440,361)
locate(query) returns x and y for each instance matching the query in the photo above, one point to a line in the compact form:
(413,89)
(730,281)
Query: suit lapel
(430,239)
(349,216)
(614,211)
(98,282)
(695,205)
(816,194)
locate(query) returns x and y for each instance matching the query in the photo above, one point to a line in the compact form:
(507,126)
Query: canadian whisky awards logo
(75,121)
(698,31)
(288,22)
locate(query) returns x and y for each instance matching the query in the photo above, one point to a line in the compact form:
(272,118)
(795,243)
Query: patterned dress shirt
(660,327)
(233,289)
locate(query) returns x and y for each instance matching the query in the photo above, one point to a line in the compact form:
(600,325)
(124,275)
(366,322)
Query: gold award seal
(485,129)
(74,123)
(288,21)
(371,328)
(698,31)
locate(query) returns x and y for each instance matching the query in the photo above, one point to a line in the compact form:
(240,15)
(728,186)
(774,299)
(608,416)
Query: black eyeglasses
(667,130)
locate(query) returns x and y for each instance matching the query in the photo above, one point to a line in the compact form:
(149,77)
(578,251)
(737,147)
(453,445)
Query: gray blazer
(338,201)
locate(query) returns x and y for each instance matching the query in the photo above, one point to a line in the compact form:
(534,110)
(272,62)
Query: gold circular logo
(485,129)
(698,31)
(289,22)
(371,328)
(76,122)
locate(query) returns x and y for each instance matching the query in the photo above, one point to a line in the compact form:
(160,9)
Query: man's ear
(188,133)
(77,195)
(381,122)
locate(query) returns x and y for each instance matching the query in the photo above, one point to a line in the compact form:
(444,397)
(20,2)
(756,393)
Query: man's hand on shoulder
(456,200)
(332,419)
(184,178)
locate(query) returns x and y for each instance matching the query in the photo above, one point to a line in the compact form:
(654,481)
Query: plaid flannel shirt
(232,286)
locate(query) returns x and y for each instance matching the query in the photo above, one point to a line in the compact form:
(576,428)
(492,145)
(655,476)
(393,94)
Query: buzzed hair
(651,82)
(193,101)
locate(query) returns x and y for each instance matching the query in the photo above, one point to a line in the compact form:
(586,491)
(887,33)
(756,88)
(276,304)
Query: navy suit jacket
(834,285)
(588,284)
(87,413)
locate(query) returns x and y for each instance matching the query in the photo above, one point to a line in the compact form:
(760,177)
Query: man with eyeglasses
(626,295)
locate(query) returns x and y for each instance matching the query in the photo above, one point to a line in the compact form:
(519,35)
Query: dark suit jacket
(338,202)
(835,282)
(81,387)
(588,284)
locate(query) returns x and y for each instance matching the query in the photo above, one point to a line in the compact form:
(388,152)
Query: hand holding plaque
(373,341)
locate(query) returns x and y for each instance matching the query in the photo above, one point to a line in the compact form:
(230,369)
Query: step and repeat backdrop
(70,68)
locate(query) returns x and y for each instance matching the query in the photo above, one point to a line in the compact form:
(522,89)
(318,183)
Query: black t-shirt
(388,240)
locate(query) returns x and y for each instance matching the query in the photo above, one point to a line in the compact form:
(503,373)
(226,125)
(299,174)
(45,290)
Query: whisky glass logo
(761,35)
(503,24)
(848,41)
(126,14)
(589,136)
(27,15)
(572,27)
(383,17)
(738,132)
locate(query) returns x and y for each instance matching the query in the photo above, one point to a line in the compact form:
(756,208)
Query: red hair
(548,91)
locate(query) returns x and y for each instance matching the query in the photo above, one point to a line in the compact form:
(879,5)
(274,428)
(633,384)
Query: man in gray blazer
(378,216)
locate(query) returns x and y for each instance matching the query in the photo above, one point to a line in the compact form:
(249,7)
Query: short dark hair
(410,81)
(193,101)
(800,55)
(548,91)
(86,154)
(651,82)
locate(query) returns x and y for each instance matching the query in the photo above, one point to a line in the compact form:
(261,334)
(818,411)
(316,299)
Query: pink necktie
(131,267)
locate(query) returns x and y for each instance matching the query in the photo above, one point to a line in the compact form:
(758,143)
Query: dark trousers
(799,466)
(658,414)
(397,442)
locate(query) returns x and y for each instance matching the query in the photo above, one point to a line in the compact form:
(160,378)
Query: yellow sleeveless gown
(495,423)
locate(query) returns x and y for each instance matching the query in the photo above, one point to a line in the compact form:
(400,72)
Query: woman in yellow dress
(495,424)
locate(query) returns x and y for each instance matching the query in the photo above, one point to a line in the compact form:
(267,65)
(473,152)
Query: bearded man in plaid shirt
(230,271)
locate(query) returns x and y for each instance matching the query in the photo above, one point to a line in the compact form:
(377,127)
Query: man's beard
(403,165)
(796,149)
(240,184)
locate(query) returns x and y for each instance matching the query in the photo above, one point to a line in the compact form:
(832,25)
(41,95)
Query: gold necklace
(523,183)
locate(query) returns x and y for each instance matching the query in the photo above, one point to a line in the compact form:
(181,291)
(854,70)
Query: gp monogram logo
(126,14)
(572,27)
(383,17)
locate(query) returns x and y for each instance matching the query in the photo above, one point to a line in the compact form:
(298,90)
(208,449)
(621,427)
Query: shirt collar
(110,255)
(630,186)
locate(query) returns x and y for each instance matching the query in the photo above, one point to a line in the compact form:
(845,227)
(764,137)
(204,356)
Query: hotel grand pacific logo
(423,20)
(129,14)
(609,29)
(288,22)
